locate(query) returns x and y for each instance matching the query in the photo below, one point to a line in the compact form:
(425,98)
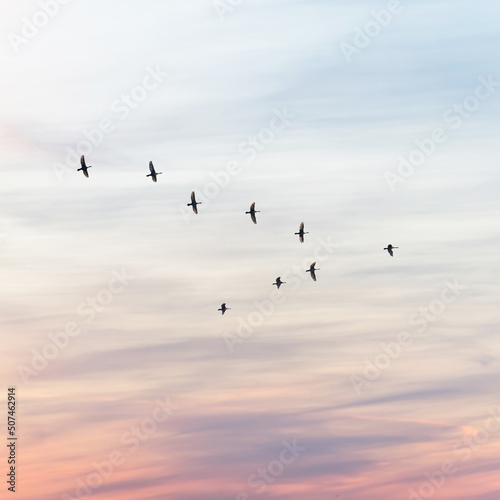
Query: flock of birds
(153,174)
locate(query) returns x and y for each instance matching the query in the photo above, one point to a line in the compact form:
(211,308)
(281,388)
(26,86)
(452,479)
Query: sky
(373,122)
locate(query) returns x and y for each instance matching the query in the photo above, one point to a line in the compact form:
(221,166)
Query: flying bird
(252,212)
(313,270)
(84,166)
(390,249)
(223,308)
(301,232)
(279,282)
(153,173)
(193,204)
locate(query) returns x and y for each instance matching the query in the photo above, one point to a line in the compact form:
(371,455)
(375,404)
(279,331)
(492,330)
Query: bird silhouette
(223,308)
(193,204)
(390,249)
(252,212)
(84,166)
(313,270)
(301,232)
(153,173)
(279,282)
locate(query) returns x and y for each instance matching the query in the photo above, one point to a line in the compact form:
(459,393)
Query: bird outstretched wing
(254,219)
(313,275)
(82,162)
(151,167)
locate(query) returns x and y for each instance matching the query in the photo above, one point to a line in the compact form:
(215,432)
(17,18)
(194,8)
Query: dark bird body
(301,232)
(84,167)
(313,270)
(390,249)
(252,212)
(279,282)
(153,173)
(223,308)
(193,204)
